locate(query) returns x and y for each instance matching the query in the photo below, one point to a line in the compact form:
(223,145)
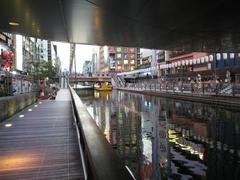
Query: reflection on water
(160,138)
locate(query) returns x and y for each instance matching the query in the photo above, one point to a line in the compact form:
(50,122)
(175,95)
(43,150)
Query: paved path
(42,144)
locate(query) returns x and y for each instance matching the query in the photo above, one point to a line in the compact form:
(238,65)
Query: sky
(83,53)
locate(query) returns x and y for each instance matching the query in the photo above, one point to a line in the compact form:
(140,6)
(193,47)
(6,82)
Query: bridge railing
(101,160)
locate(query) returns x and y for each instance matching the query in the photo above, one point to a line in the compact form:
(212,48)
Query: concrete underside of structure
(175,25)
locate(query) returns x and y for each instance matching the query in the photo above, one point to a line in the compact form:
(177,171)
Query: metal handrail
(80,147)
(224,89)
(101,160)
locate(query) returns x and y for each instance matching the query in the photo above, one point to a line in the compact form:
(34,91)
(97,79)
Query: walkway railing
(225,89)
(101,160)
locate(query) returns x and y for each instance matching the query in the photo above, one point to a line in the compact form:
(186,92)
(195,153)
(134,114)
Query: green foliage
(42,70)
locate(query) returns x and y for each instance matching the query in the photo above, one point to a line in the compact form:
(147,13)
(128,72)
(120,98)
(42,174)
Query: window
(119,55)
(119,49)
(119,68)
(125,62)
(132,62)
(126,67)
(125,55)
(131,50)
(132,56)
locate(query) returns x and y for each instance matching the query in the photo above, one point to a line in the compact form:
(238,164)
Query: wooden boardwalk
(41,145)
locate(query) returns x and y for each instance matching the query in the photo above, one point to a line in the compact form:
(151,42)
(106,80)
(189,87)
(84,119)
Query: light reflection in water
(161,138)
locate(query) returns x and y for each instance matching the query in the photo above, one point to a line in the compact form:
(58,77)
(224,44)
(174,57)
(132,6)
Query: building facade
(34,50)
(7,50)
(55,60)
(126,59)
(87,68)
(206,65)
(117,59)
(95,60)
(185,65)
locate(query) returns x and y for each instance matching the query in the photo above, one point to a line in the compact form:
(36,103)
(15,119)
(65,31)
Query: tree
(42,70)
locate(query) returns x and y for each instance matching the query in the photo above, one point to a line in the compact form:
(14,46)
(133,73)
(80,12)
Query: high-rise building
(49,51)
(138,57)
(94,63)
(118,59)
(55,60)
(43,49)
(103,59)
(95,60)
(28,53)
(87,68)
(126,59)
(34,50)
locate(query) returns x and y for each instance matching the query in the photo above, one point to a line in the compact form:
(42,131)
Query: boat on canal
(103,86)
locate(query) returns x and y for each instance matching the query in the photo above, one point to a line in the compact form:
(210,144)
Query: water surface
(161,138)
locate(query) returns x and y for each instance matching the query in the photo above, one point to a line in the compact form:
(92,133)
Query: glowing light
(12,23)
(8,125)
(21,116)
(18,161)
(40,102)
(35,105)
(19,51)
(29,109)
(14,72)
(201,156)
(231,151)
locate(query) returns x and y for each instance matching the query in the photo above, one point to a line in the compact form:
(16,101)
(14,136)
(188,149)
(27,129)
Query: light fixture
(21,116)
(224,55)
(29,109)
(218,56)
(14,72)
(12,23)
(8,125)
(232,55)
(35,105)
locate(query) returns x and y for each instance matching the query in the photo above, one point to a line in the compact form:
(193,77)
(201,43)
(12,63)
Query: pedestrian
(53,94)
(41,94)
(217,87)
(192,86)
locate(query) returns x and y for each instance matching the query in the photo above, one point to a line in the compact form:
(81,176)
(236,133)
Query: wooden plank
(41,145)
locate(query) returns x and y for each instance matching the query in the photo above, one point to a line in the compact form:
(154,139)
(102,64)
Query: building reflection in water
(161,138)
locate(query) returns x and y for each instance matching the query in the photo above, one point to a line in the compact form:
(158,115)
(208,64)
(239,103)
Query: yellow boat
(103,87)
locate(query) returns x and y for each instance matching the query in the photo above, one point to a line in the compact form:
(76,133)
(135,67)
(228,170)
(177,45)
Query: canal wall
(226,101)
(10,105)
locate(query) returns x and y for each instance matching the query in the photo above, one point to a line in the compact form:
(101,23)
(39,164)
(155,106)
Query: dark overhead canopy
(189,25)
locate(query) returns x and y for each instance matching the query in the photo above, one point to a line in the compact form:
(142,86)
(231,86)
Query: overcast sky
(83,53)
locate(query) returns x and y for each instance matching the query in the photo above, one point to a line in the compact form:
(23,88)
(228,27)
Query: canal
(160,138)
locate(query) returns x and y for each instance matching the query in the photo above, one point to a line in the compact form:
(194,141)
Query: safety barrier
(101,160)
(12,104)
